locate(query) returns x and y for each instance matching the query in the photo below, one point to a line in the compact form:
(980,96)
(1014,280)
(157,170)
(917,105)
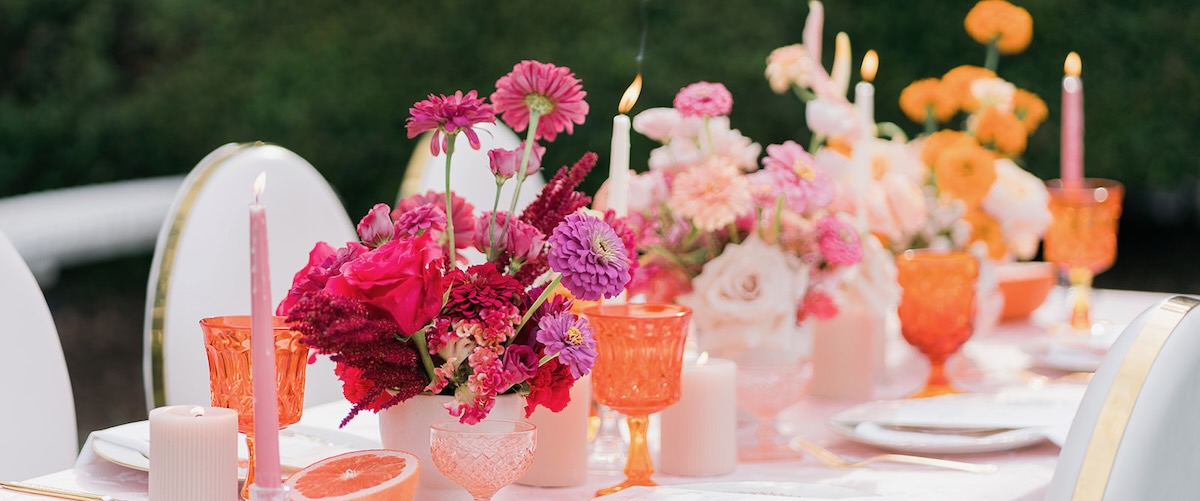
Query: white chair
(1136,433)
(201,264)
(37,425)
(470,176)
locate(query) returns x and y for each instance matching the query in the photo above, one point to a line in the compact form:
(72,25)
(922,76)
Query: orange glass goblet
(227,341)
(640,356)
(937,309)
(1082,238)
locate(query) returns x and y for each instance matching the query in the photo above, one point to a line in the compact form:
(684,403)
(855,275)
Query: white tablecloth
(990,361)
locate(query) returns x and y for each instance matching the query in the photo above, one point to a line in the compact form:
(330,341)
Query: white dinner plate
(299,446)
(961,424)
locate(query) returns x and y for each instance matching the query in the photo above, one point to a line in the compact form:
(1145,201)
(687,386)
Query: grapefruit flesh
(361,476)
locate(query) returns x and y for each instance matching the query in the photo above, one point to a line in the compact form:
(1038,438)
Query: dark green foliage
(108,90)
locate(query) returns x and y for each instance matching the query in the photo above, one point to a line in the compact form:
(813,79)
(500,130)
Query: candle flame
(870,65)
(631,94)
(260,185)
(1073,66)
(702,359)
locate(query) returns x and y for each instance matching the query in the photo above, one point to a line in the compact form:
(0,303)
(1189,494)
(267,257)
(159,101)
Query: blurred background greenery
(96,91)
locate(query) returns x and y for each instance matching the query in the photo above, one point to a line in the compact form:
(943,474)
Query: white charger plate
(299,446)
(1022,417)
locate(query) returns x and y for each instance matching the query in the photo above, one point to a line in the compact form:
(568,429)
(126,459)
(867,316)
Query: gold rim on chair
(1101,451)
(165,264)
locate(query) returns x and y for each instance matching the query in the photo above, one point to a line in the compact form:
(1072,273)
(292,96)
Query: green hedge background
(94,91)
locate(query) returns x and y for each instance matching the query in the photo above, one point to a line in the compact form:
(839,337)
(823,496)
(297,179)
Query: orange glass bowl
(1082,237)
(937,308)
(637,371)
(1025,287)
(227,342)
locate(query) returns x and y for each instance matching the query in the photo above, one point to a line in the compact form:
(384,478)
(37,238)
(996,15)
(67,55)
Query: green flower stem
(930,120)
(546,293)
(892,131)
(992,59)
(492,223)
(708,134)
(449,204)
(817,139)
(733,233)
(423,350)
(778,220)
(547,358)
(529,139)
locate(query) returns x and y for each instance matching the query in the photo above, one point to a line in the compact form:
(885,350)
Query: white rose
(658,124)
(744,302)
(1020,203)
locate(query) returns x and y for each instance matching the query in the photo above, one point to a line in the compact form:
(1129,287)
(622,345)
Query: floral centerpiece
(946,188)
(401,313)
(753,249)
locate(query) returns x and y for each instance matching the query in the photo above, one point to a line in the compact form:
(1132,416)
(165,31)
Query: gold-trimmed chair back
(201,265)
(1136,435)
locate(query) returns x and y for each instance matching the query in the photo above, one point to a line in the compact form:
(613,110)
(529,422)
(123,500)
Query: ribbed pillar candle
(193,453)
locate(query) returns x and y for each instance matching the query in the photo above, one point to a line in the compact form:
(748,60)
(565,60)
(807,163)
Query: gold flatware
(55,492)
(828,457)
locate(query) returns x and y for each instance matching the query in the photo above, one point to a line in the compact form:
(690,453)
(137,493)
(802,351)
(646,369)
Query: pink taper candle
(262,345)
(1072,123)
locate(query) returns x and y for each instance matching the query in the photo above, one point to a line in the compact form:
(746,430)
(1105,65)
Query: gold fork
(828,457)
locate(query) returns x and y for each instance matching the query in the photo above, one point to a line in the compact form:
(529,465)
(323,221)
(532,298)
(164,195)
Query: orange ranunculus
(1001,130)
(966,172)
(986,229)
(956,84)
(1030,109)
(924,96)
(1010,26)
(940,141)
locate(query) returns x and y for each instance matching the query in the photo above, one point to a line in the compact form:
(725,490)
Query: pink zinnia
(838,241)
(551,91)
(704,99)
(803,185)
(711,196)
(449,115)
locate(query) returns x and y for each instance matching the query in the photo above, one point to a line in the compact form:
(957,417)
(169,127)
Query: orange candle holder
(637,371)
(227,342)
(937,308)
(1082,237)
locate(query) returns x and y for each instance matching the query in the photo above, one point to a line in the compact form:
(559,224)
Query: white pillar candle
(864,91)
(193,453)
(563,462)
(699,433)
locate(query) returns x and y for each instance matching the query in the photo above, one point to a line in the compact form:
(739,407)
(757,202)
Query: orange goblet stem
(938,383)
(1081,288)
(638,467)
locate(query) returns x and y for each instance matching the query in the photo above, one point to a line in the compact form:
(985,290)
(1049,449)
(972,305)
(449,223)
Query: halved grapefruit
(377,474)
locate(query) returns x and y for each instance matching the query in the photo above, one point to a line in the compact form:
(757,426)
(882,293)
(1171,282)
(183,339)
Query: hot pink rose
(402,277)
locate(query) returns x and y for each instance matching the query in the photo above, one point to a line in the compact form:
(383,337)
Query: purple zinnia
(590,256)
(449,115)
(570,337)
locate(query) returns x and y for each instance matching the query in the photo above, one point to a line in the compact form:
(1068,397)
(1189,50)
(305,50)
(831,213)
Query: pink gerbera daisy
(551,91)
(704,99)
(449,115)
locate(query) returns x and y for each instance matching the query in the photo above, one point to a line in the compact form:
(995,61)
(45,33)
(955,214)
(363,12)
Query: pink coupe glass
(485,457)
(764,391)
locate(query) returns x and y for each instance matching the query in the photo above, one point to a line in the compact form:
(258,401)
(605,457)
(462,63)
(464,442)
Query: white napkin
(872,431)
(1019,408)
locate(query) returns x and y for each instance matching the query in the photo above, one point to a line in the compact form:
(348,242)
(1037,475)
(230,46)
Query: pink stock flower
(449,115)
(839,241)
(551,91)
(376,227)
(704,99)
(401,277)
(803,185)
(711,195)
(504,163)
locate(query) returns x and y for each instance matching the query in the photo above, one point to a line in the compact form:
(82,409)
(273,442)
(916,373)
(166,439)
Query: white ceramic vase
(563,463)
(406,427)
